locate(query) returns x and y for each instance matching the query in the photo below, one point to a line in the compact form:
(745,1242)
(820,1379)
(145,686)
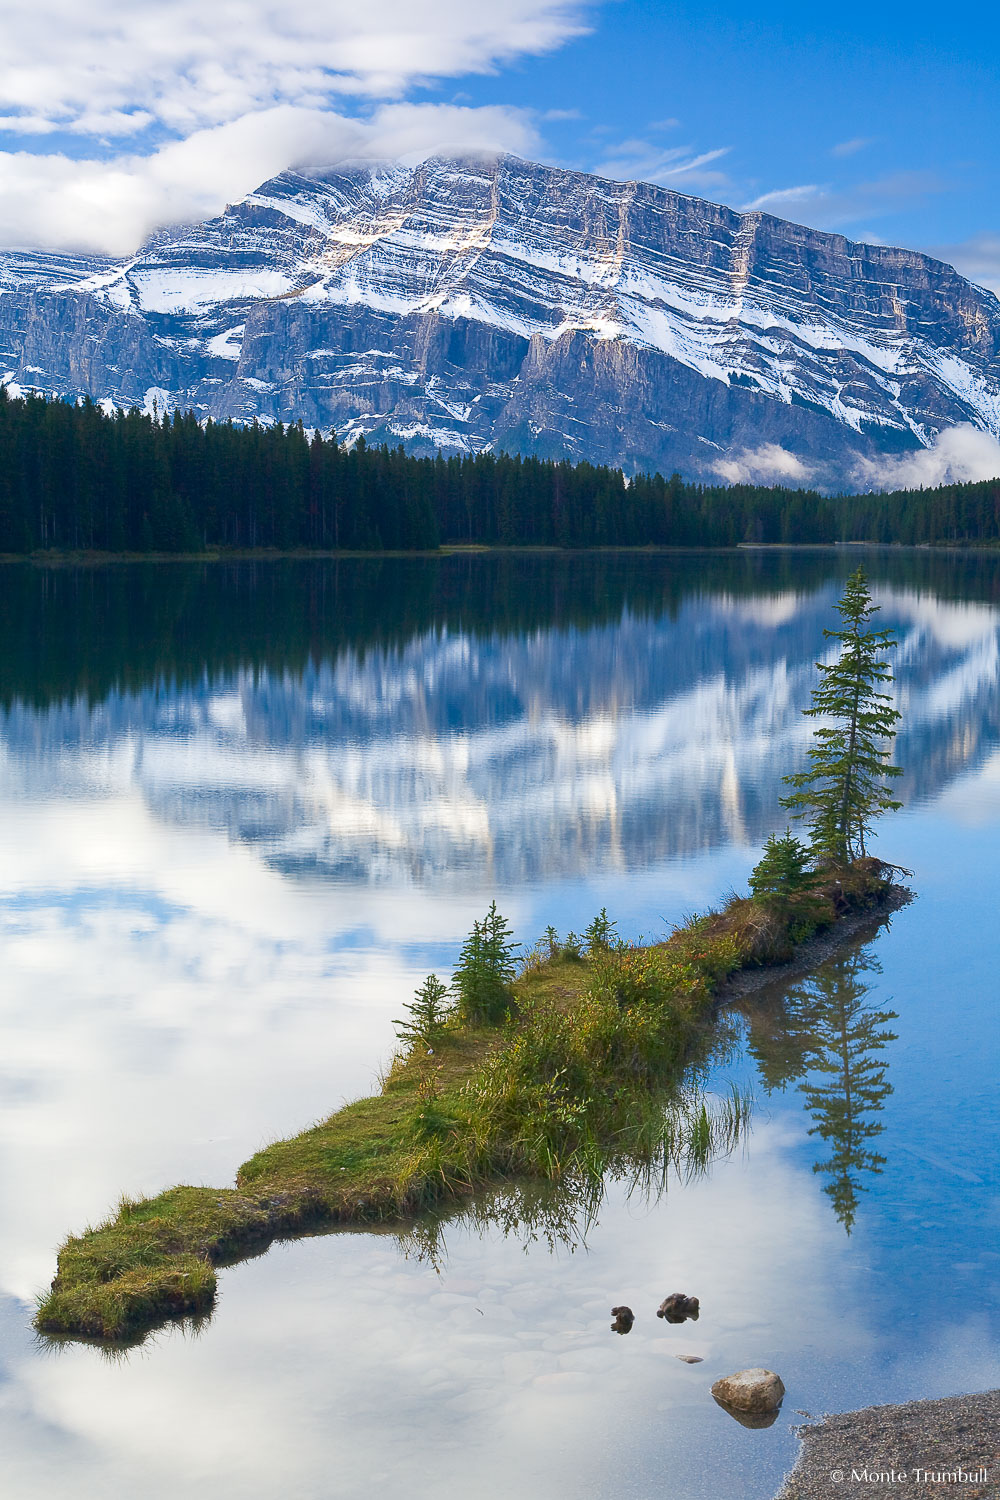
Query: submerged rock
(754,1392)
(624,1318)
(689,1359)
(677,1308)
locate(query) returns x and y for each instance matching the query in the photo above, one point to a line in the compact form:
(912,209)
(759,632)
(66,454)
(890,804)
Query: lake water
(246,808)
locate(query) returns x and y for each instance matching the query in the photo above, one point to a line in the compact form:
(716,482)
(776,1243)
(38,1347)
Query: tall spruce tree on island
(846,786)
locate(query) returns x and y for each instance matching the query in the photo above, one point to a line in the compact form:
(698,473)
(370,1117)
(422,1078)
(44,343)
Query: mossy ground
(579,1080)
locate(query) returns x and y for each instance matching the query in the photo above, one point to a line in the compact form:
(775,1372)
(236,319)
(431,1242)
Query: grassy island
(583,1073)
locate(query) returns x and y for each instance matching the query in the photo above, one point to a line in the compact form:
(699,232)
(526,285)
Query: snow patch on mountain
(184,291)
(227,345)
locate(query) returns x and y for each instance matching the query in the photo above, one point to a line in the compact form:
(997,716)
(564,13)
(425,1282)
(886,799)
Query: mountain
(470,304)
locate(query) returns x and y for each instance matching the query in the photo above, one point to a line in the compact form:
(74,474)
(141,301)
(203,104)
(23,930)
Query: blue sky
(877,121)
(880,120)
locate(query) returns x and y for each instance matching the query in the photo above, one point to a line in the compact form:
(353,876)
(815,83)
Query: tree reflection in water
(823,1033)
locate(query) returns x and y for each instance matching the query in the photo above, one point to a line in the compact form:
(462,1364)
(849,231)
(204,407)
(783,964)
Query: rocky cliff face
(510,305)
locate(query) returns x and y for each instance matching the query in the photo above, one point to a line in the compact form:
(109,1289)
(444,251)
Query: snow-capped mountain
(504,304)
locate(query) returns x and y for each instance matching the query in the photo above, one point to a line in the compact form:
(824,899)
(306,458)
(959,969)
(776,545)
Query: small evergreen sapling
(782,870)
(428,1015)
(783,884)
(572,948)
(485,969)
(601,933)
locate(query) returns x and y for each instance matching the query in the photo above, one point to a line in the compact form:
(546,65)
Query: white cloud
(189,64)
(852,147)
(677,167)
(109,206)
(768,464)
(27,124)
(828,208)
(204,102)
(961,454)
(977,258)
(782,199)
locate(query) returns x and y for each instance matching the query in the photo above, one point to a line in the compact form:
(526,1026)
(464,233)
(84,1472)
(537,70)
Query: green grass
(593,1073)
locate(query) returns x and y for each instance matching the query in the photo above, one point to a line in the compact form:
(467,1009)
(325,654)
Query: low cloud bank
(768,464)
(960,455)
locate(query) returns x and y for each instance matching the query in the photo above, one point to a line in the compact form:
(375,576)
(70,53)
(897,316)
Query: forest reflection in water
(499,720)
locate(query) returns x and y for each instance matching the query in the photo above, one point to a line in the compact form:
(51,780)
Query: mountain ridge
(501,304)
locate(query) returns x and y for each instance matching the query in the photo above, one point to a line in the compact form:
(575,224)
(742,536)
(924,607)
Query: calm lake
(246,808)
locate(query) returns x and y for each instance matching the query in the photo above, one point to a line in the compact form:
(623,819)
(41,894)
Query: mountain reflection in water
(504,719)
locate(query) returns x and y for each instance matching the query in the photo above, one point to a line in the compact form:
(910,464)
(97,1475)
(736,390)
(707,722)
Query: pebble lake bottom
(247,808)
(904,1448)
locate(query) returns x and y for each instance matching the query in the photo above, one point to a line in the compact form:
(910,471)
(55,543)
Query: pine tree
(428,1014)
(782,872)
(485,969)
(845,789)
(601,933)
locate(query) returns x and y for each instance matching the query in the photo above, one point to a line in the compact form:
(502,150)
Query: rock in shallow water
(624,1318)
(755,1392)
(677,1308)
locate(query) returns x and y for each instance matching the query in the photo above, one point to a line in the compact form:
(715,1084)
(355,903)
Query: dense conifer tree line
(75,477)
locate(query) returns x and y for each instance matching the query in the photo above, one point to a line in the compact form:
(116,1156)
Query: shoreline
(882,1447)
(84,558)
(87,559)
(815,950)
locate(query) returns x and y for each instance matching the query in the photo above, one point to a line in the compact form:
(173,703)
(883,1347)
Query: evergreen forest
(74,477)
